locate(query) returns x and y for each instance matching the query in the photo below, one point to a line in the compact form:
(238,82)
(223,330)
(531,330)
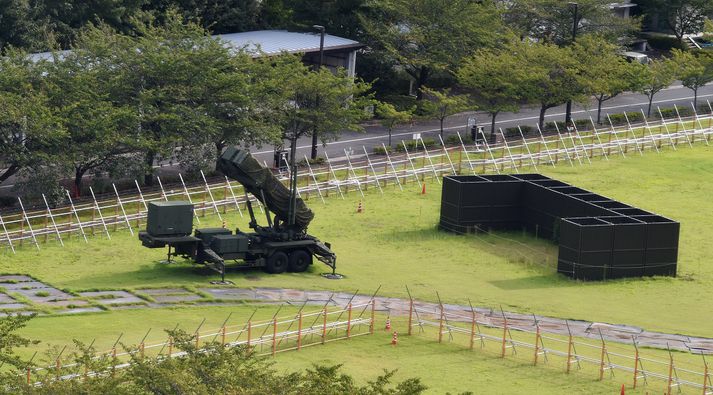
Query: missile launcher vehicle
(282,245)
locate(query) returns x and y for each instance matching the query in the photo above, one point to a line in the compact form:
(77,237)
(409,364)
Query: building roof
(272,42)
(264,42)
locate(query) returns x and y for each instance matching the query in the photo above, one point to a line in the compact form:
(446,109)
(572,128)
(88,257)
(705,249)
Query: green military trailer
(282,245)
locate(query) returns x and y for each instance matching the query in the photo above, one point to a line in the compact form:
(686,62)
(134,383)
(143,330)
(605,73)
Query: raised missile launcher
(283,245)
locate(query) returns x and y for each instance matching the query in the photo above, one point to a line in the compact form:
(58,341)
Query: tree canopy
(430,36)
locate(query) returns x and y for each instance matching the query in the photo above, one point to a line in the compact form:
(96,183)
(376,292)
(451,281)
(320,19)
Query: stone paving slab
(230,293)
(80,310)
(64,303)
(54,294)
(176,298)
(112,297)
(163,291)
(5,298)
(12,306)
(15,277)
(24,285)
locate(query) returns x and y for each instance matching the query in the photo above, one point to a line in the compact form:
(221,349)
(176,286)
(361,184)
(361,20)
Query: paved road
(376,135)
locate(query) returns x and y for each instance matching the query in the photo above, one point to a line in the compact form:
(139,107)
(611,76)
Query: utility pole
(315,136)
(575,23)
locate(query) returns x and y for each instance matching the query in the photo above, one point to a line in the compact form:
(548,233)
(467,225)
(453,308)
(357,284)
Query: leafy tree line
(117,104)
(209,370)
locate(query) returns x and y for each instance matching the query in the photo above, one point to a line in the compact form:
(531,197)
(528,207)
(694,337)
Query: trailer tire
(276,263)
(299,261)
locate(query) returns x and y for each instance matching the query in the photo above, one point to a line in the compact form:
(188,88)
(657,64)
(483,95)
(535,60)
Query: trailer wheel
(299,260)
(276,263)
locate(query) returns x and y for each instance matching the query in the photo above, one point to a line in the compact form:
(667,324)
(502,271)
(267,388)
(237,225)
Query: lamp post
(575,23)
(320,29)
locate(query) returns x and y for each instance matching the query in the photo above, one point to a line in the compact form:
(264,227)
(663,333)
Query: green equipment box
(229,244)
(169,219)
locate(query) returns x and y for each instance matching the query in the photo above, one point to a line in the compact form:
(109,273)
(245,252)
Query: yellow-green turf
(395,243)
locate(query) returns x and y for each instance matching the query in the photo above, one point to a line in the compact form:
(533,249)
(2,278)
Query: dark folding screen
(599,238)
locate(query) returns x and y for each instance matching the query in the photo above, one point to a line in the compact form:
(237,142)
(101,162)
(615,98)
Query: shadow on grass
(534,282)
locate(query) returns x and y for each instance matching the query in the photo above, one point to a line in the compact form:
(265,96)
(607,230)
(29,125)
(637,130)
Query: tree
(28,128)
(67,18)
(604,73)
(22,25)
(497,79)
(552,76)
(323,102)
(653,78)
(390,117)
(442,104)
(217,16)
(170,75)
(430,36)
(98,132)
(551,21)
(681,16)
(693,70)
(339,17)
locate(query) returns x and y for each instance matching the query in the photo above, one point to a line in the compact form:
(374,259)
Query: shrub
(380,150)
(452,140)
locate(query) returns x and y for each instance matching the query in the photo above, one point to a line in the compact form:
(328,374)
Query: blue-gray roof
(271,42)
(267,42)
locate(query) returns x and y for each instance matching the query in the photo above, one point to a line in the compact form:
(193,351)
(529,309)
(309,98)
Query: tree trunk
(218,150)
(148,175)
(315,141)
(651,100)
(599,110)
(492,122)
(541,122)
(442,127)
(78,176)
(389,139)
(421,81)
(695,99)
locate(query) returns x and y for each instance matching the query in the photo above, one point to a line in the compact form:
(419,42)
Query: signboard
(416,136)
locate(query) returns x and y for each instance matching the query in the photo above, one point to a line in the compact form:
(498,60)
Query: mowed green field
(395,243)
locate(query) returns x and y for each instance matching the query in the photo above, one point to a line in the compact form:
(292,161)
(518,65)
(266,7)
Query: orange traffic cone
(423,189)
(623,390)
(394,339)
(360,208)
(388,325)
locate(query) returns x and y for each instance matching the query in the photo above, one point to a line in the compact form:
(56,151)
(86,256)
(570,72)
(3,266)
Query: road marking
(497,122)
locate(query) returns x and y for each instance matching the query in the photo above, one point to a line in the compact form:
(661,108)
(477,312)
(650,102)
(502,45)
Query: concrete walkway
(41,295)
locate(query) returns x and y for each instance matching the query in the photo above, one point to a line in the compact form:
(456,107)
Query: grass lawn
(395,243)
(448,367)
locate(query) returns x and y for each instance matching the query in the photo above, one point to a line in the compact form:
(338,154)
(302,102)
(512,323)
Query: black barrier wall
(599,238)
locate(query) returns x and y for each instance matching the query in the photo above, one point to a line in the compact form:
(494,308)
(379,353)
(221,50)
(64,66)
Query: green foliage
(389,116)
(427,36)
(211,369)
(651,79)
(497,79)
(551,21)
(693,70)
(322,101)
(441,105)
(604,73)
(23,25)
(553,75)
(214,15)
(680,16)
(29,130)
